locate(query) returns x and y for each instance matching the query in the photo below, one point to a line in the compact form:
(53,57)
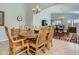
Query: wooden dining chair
(16,46)
(23,27)
(39,43)
(49,37)
(35,28)
(68,37)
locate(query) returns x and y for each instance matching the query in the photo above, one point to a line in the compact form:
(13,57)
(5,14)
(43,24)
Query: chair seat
(18,48)
(68,37)
(33,44)
(26,45)
(21,47)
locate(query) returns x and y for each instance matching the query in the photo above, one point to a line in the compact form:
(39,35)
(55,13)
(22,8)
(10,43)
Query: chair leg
(28,49)
(48,46)
(44,49)
(36,51)
(13,52)
(51,44)
(10,51)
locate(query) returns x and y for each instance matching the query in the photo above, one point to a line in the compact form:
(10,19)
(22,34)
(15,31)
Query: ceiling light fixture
(36,9)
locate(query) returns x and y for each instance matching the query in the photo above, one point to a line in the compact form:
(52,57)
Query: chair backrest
(51,33)
(41,36)
(23,29)
(35,28)
(44,28)
(8,32)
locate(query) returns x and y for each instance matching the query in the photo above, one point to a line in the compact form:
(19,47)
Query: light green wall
(12,10)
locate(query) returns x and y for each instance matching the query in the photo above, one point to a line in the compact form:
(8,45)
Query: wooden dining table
(28,34)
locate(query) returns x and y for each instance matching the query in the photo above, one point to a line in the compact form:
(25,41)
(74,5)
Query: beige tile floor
(59,48)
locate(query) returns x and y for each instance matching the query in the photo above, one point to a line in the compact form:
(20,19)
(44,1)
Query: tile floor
(60,47)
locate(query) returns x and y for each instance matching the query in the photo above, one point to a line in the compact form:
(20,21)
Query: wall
(37,19)
(12,10)
(30,13)
(29,21)
(59,8)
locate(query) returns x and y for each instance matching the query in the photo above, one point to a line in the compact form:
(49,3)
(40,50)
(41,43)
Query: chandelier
(36,9)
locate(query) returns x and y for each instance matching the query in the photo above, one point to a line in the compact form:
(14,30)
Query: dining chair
(22,27)
(16,46)
(49,37)
(39,43)
(35,28)
(69,37)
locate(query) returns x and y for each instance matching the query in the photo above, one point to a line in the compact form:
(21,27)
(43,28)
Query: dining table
(28,34)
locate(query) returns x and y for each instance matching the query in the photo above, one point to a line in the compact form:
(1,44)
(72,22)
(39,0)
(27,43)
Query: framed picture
(1,18)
